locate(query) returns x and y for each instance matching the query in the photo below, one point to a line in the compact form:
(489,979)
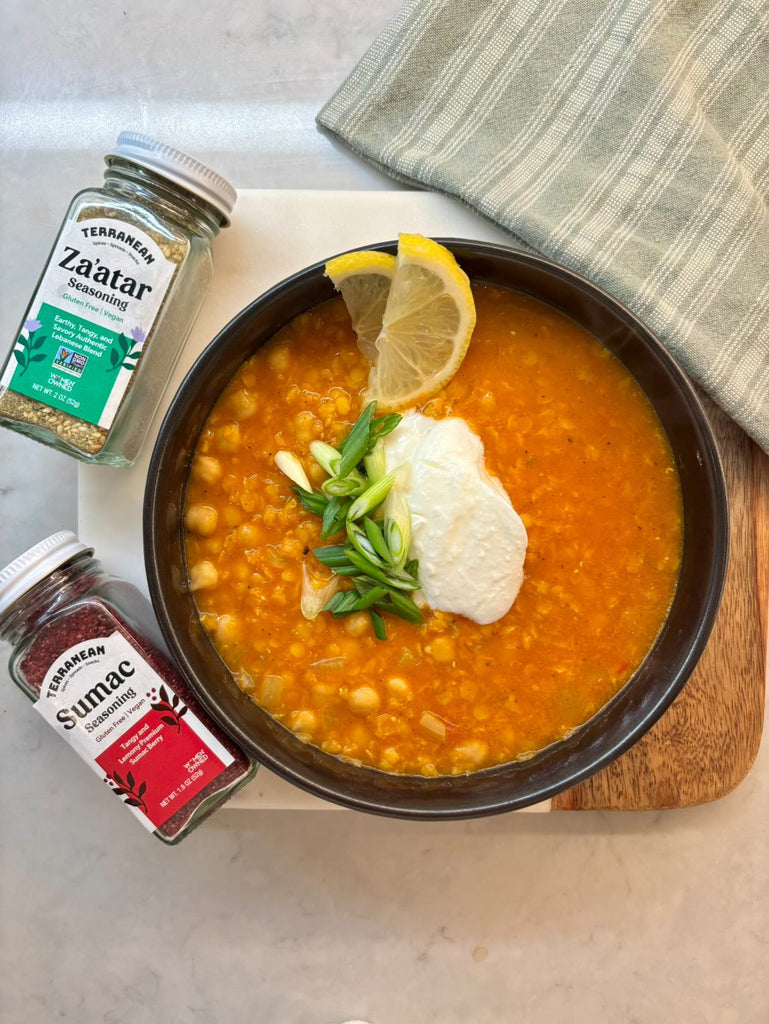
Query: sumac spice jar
(123,284)
(87,651)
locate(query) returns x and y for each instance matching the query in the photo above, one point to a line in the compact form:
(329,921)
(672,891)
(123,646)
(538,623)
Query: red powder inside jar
(92,619)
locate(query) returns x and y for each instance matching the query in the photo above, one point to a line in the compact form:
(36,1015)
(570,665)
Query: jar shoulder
(177,240)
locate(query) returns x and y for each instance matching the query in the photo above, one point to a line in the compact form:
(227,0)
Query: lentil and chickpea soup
(586,462)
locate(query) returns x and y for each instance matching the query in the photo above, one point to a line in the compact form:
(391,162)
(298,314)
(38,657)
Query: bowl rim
(608,752)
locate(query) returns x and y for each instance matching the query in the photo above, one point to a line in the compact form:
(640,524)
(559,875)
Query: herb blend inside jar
(123,284)
(86,649)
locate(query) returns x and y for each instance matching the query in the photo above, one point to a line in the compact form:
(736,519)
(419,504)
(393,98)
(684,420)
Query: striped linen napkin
(626,139)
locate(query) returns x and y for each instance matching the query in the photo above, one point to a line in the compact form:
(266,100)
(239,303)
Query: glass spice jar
(116,301)
(87,651)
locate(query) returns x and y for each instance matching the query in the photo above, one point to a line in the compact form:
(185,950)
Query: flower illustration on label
(171,709)
(125,353)
(27,352)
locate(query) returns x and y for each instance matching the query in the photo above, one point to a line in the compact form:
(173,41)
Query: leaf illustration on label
(114,357)
(134,803)
(117,779)
(175,701)
(182,712)
(131,780)
(169,720)
(142,789)
(38,341)
(163,694)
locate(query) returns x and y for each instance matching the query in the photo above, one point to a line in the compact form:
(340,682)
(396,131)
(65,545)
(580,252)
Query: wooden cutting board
(705,744)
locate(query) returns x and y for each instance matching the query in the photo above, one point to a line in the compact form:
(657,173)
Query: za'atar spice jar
(86,649)
(123,284)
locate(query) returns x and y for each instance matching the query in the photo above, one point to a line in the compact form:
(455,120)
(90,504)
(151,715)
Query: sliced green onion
(327,457)
(289,464)
(376,464)
(397,528)
(376,539)
(382,427)
(342,603)
(354,483)
(371,597)
(332,555)
(362,544)
(314,599)
(380,630)
(355,445)
(381,575)
(334,517)
(400,605)
(311,502)
(371,497)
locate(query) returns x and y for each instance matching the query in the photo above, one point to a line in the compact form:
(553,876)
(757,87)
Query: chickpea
(228,437)
(203,575)
(398,688)
(357,624)
(227,629)
(201,519)
(249,534)
(342,403)
(207,469)
(442,648)
(304,426)
(304,721)
(471,753)
(278,359)
(243,404)
(364,700)
(232,515)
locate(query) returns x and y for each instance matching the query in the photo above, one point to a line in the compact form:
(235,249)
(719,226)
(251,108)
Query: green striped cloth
(626,139)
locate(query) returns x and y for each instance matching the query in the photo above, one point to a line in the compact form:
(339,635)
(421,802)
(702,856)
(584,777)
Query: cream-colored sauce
(470,542)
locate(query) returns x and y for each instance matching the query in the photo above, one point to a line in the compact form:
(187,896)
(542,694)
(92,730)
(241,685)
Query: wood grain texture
(707,741)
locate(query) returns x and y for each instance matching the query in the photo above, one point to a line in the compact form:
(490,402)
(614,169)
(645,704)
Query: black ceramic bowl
(591,747)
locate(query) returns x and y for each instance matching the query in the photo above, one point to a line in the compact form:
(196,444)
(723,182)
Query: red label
(159,765)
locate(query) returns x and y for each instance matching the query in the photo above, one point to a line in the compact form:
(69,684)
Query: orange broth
(588,467)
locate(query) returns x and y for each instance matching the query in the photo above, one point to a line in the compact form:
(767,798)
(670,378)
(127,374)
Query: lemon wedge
(364,280)
(426,325)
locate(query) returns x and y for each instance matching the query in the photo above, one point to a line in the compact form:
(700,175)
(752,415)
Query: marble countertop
(306,918)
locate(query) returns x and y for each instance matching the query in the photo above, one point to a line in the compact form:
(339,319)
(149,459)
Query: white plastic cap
(35,564)
(178,167)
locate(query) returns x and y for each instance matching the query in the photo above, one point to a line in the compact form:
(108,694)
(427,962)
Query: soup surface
(587,466)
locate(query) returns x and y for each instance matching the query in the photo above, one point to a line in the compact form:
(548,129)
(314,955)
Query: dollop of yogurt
(470,541)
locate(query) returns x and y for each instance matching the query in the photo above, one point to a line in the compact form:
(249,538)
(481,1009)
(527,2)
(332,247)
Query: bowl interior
(617,725)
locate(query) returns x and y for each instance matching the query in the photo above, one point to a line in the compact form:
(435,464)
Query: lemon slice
(364,280)
(426,326)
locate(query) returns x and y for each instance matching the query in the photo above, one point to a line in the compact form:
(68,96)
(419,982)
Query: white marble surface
(285,918)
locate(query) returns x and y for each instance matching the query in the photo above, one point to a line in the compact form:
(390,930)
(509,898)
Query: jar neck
(61,587)
(167,199)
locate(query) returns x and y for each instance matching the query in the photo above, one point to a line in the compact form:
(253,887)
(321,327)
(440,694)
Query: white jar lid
(179,167)
(35,564)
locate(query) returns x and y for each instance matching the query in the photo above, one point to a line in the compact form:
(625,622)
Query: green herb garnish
(374,552)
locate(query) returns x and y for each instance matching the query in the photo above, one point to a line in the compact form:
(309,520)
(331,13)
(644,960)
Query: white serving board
(274,233)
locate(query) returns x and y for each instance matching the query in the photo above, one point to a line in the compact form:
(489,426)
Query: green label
(71,363)
(87,324)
